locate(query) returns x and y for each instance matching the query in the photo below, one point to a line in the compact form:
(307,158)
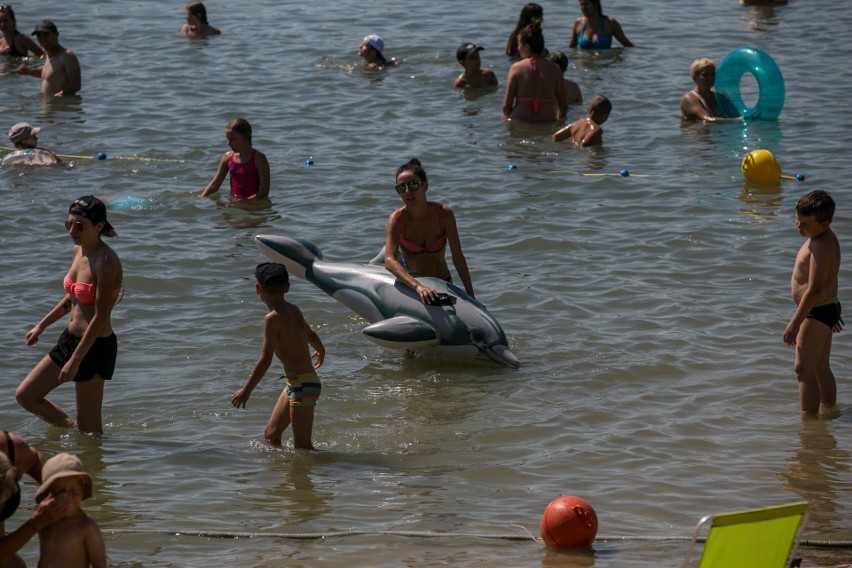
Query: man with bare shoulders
(60,74)
(288,336)
(814,288)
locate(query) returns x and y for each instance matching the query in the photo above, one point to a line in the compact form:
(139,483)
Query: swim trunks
(303,389)
(245,180)
(100,360)
(14,499)
(829,314)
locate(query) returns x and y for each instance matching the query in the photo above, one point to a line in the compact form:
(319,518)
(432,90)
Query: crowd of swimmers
(417,236)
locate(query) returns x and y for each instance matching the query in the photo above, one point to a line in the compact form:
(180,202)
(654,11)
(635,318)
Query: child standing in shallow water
(248,168)
(814,289)
(587,131)
(287,335)
(74,540)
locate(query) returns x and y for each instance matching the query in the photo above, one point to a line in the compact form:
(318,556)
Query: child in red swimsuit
(248,168)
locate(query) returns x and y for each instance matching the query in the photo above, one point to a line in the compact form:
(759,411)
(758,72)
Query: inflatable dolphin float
(460,329)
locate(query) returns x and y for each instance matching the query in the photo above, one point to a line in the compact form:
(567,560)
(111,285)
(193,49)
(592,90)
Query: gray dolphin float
(398,319)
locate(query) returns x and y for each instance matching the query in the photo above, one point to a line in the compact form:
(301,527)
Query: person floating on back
(587,131)
(474,75)
(27,153)
(288,336)
(248,168)
(75,539)
(60,74)
(814,289)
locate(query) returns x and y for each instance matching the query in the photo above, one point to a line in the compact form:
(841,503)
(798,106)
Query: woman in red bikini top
(535,88)
(86,350)
(420,231)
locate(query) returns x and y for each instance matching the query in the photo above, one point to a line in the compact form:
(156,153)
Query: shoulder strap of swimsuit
(11,447)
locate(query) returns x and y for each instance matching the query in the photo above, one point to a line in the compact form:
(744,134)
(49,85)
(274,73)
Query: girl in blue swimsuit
(595,30)
(420,231)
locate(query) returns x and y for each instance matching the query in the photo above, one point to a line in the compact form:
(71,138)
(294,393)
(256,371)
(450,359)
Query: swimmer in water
(25,138)
(701,103)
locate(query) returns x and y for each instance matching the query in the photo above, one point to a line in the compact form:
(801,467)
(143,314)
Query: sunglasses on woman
(412,185)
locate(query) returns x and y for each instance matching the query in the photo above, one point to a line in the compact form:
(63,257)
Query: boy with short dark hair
(474,75)
(287,335)
(572,89)
(814,288)
(587,131)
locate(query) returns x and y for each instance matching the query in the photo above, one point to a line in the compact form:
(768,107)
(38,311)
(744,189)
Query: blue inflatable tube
(769,80)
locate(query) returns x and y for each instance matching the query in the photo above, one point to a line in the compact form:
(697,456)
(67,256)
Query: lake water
(647,311)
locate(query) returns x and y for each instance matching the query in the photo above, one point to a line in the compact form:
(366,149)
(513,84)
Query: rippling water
(647,310)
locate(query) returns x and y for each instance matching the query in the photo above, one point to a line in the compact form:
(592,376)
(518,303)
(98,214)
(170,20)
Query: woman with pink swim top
(248,168)
(86,350)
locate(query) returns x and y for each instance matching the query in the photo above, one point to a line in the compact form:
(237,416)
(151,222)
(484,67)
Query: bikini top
(14,500)
(411,248)
(603,41)
(83,292)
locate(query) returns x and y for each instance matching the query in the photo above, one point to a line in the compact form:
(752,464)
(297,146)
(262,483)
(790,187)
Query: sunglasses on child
(412,185)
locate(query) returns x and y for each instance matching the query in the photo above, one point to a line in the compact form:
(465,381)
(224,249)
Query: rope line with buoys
(769,80)
(103,156)
(828,544)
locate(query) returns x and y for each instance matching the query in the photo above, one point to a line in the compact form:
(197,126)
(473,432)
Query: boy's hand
(319,356)
(240,398)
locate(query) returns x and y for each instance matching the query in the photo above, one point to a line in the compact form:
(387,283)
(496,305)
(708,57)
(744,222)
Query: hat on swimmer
(94,210)
(59,466)
(466,49)
(22,131)
(376,42)
(272,274)
(45,26)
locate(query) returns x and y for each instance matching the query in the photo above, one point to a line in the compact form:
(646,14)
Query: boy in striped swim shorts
(287,335)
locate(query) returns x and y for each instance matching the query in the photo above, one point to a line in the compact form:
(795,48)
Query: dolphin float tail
(296,254)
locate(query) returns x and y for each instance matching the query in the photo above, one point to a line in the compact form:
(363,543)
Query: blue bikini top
(603,41)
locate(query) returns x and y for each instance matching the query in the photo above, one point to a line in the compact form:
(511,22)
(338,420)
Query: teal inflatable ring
(769,80)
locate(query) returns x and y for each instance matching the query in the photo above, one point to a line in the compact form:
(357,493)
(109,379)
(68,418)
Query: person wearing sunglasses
(701,103)
(86,350)
(419,232)
(14,43)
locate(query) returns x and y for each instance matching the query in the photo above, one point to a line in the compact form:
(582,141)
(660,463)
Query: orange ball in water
(569,522)
(761,166)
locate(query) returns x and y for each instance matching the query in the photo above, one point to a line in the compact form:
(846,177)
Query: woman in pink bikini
(535,89)
(420,231)
(248,168)
(86,350)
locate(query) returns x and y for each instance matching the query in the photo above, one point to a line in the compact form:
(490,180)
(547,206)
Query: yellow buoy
(761,166)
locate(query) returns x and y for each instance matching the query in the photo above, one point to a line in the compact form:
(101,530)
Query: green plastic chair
(757,538)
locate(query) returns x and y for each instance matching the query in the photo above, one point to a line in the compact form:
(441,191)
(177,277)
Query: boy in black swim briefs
(814,289)
(287,335)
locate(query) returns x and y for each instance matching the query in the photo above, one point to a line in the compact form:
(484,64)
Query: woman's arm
(221,172)
(25,43)
(262,165)
(619,33)
(511,92)
(58,312)
(459,260)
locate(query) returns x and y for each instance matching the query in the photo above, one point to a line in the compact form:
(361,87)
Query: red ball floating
(569,522)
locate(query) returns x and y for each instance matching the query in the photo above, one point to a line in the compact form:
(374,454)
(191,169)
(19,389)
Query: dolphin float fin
(402,332)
